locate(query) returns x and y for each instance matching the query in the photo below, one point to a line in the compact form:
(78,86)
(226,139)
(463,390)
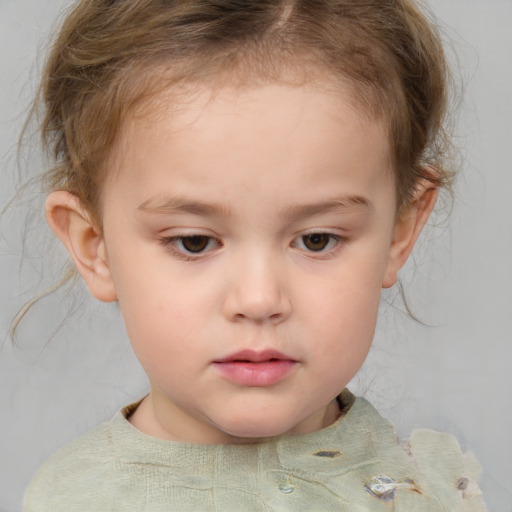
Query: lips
(255,369)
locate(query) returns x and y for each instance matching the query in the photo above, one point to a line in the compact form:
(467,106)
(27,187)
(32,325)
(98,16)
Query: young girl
(244,178)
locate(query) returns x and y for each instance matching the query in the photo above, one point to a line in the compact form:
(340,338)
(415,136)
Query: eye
(190,245)
(194,243)
(318,242)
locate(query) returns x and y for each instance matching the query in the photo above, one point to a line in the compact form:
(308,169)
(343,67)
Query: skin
(254,173)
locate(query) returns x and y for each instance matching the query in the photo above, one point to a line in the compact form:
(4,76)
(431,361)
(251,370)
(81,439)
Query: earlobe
(408,228)
(73,225)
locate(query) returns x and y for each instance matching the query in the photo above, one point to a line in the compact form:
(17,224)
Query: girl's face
(248,236)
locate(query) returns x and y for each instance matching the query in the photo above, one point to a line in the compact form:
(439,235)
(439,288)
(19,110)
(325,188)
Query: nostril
(256,299)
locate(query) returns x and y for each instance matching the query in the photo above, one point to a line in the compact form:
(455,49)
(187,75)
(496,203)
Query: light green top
(354,465)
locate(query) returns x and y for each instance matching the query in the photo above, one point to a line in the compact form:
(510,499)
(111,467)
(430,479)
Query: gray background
(71,371)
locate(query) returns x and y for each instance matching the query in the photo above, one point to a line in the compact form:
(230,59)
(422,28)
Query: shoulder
(427,472)
(75,469)
(445,469)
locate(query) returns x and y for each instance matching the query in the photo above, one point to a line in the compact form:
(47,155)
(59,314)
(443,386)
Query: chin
(248,430)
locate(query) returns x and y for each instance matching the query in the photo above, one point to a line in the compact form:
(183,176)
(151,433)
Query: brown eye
(196,243)
(316,241)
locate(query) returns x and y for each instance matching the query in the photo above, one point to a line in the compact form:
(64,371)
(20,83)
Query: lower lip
(266,373)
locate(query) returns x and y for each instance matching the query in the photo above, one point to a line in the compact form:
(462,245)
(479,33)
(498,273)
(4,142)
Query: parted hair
(110,57)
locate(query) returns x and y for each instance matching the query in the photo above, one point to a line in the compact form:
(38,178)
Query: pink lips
(255,369)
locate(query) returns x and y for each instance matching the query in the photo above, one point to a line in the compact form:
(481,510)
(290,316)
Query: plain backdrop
(72,367)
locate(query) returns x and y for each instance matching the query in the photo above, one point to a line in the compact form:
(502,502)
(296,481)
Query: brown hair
(110,56)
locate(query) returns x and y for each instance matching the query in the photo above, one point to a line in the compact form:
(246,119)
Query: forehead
(320,99)
(251,134)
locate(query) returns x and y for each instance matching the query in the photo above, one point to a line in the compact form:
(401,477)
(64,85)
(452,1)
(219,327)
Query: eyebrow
(176,205)
(344,203)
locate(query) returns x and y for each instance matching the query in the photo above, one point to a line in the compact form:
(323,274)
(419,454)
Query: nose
(257,291)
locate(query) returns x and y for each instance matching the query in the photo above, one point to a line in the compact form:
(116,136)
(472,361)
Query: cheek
(160,336)
(156,320)
(344,313)
(164,318)
(350,295)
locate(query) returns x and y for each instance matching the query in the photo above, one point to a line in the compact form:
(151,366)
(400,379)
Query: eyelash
(338,241)
(172,243)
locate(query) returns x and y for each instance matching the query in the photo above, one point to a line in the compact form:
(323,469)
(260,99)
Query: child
(244,178)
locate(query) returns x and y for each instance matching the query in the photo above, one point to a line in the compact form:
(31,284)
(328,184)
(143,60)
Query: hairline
(181,87)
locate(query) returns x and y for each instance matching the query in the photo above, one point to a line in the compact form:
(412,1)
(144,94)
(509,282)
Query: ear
(408,227)
(73,225)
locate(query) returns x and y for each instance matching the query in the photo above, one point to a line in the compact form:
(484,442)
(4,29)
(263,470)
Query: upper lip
(255,356)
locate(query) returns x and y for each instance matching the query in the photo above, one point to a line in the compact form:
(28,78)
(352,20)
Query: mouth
(255,369)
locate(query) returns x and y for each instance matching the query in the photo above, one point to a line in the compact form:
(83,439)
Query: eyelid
(340,242)
(170,243)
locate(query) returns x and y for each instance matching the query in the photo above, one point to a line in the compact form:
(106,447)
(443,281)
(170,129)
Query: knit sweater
(354,465)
